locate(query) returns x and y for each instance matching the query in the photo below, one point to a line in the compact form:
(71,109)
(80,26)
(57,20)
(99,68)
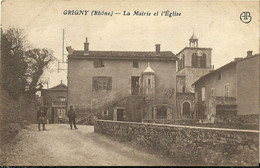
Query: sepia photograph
(129,83)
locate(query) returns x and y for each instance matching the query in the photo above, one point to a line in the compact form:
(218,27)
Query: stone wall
(244,121)
(188,145)
(176,121)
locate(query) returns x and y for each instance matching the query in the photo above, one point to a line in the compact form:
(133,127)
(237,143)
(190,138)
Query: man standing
(41,119)
(72,116)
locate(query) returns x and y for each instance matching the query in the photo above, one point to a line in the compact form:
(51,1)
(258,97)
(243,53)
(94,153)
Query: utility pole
(63,62)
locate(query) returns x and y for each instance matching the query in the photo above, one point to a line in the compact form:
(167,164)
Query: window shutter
(109,83)
(183,61)
(203,61)
(194,60)
(94,83)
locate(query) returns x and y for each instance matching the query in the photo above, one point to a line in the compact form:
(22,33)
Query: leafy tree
(21,65)
(13,65)
(37,61)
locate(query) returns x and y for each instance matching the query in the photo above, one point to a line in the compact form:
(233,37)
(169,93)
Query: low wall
(176,121)
(188,145)
(252,119)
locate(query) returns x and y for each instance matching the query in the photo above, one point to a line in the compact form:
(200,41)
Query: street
(60,146)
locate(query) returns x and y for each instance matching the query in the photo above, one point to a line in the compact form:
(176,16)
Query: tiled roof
(123,54)
(61,86)
(232,63)
(197,48)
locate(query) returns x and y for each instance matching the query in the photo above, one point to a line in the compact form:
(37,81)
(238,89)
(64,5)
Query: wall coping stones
(182,126)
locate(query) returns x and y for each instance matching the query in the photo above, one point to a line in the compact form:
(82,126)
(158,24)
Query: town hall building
(123,85)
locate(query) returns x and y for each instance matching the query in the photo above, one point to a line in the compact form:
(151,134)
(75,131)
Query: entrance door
(135,85)
(120,114)
(186,109)
(161,112)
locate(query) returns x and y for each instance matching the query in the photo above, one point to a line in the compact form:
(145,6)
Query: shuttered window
(194,60)
(227,90)
(197,61)
(135,64)
(100,83)
(98,63)
(203,61)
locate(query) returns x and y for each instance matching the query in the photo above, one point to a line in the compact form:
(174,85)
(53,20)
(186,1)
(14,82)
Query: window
(203,94)
(183,61)
(98,63)
(149,81)
(226,90)
(105,113)
(219,77)
(203,61)
(135,64)
(100,83)
(212,92)
(183,89)
(194,60)
(198,61)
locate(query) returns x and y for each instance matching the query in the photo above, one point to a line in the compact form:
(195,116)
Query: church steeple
(194,40)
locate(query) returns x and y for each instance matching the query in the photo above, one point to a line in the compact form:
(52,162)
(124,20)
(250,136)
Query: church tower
(193,63)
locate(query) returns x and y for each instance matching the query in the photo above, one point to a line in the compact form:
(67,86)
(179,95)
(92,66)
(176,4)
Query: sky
(216,24)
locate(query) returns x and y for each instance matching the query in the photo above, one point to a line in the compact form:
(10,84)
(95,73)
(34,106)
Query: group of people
(41,118)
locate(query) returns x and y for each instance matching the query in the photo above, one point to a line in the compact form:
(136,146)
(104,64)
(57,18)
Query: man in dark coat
(41,119)
(72,116)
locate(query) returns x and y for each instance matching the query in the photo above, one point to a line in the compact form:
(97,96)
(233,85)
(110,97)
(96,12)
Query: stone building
(54,102)
(193,63)
(122,85)
(230,89)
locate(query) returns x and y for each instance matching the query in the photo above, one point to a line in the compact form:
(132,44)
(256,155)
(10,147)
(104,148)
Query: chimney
(157,48)
(249,53)
(86,46)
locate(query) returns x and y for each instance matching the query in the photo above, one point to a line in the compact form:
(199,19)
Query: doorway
(161,112)
(120,114)
(135,85)
(186,109)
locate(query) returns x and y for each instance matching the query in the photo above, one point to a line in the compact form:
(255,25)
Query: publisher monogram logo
(245,17)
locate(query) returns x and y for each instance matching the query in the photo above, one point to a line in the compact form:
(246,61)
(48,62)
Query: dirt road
(60,145)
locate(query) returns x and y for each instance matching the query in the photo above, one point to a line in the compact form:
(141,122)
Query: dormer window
(135,64)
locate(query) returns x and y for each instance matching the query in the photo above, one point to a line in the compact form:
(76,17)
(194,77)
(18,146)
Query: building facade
(122,85)
(54,103)
(193,63)
(231,89)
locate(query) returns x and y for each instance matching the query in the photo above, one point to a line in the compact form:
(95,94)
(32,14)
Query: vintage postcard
(129,83)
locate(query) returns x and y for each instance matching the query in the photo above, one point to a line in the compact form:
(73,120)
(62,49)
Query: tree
(13,63)
(21,65)
(37,61)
